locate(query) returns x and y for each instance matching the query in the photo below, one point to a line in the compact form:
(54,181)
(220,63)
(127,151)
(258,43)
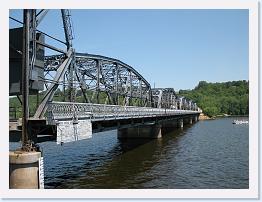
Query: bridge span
(76,121)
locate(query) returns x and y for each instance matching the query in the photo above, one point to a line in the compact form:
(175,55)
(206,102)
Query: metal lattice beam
(110,76)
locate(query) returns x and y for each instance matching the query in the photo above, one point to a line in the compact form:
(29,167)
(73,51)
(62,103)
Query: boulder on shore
(204,117)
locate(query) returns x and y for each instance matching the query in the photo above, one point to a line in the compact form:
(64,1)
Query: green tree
(220,98)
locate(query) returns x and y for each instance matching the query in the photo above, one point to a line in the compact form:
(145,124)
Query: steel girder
(61,70)
(40,16)
(109,80)
(67,27)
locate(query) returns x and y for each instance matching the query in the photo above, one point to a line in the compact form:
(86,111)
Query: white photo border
(251,193)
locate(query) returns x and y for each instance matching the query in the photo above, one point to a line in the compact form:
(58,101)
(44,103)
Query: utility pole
(24,165)
(25,77)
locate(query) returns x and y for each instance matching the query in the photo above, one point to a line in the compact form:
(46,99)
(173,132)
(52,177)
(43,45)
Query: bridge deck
(76,121)
(59,111)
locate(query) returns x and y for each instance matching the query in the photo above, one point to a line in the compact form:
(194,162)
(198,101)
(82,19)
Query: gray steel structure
(164,98)
(85,73)
(182,103)
(58,111)
(121,83)
(167,98)
(93,78)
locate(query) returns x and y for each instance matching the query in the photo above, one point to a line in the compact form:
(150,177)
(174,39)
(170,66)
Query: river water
(210,154)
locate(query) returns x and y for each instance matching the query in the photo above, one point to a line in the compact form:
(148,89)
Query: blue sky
(170,48)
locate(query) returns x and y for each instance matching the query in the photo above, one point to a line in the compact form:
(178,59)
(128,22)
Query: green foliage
(220,98)
(213,98)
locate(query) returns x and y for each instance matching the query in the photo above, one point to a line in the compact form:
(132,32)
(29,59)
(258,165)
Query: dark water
(208,154)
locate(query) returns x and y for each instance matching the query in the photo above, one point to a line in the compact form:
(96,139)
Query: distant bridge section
(164,98)
(167,98)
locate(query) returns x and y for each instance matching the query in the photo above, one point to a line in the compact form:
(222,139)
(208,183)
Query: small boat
(240,122)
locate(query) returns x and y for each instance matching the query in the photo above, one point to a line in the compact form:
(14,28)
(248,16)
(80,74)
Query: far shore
(205,117)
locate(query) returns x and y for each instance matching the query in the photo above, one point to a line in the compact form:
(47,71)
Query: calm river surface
(208,154)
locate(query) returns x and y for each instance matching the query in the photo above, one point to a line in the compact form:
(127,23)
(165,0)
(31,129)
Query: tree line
(215,99)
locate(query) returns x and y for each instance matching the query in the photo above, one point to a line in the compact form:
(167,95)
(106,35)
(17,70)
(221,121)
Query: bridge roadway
(76,121)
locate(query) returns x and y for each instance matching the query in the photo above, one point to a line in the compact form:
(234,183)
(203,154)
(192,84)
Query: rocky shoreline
(204,117)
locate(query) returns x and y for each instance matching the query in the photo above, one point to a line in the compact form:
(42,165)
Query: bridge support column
(151,131)
(169,126)
(196,118)
(180,123)
(24,170)
(190,120)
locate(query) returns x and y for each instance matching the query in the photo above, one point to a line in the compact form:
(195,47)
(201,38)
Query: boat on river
(240,122)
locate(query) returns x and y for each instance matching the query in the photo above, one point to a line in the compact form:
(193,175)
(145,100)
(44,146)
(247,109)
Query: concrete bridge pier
(151,131)
(169,126)
(180,123)
(196,118)
(190,120)
(24,170)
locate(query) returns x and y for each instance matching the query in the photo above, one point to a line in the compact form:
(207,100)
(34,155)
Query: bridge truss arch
(167,98)
(122,84)
(97,79)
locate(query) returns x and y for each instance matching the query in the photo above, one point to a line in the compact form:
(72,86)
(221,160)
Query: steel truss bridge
(93,88)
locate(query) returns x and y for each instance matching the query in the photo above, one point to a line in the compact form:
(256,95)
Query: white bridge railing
(69,110)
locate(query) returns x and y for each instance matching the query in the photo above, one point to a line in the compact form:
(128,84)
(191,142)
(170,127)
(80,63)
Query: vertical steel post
(83,89)
(25,75)
(130,86)
(32,41)
(140,89)
(169,100)
(69,36)
(67,27)
(70,86)
(116,84)
(97,80)
(64,89)
(149,98)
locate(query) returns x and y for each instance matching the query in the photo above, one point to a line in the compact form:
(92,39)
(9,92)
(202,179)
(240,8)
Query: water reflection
(208,154)
(129,159)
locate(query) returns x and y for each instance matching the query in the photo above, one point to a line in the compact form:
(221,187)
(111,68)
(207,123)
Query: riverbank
(204,117)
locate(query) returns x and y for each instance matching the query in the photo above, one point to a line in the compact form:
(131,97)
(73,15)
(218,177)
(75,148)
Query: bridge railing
(69,110)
